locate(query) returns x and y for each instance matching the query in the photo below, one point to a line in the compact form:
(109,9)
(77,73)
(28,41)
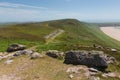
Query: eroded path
(53,35)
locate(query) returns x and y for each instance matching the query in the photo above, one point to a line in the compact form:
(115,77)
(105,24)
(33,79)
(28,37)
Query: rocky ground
(23,64)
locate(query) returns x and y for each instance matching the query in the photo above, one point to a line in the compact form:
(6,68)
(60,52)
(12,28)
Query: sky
(44,10)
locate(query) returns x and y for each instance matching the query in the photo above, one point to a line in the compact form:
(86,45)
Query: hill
(75,35)
(76,32)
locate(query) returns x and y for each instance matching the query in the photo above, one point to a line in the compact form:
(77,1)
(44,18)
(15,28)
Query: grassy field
(75,34)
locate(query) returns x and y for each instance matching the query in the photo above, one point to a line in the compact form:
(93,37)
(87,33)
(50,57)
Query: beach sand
(112,32)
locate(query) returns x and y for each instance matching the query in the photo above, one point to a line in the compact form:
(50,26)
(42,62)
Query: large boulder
(15,47)
(55,54)
(95,59)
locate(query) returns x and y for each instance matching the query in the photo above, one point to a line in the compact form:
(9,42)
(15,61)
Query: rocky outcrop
(95,59)
(55,54)
(15,47)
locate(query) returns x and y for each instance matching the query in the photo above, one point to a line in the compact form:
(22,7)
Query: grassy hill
(76,35)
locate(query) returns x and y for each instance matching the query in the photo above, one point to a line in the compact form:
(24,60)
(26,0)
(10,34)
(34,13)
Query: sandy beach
(112,32)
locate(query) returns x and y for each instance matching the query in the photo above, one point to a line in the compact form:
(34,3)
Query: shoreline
(112,32)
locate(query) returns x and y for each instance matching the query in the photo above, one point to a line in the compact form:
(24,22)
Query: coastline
(112,31)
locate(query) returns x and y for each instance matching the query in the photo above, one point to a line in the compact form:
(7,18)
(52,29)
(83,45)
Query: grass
(76,34)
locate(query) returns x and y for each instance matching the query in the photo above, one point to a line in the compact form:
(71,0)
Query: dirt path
(53,35)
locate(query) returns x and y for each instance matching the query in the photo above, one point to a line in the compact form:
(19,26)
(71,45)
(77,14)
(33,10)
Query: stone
(36,55)
(93,70)
(15,47)
(114,50)
(111,74)
(8,61)
(55,54)
(94,78)
(23,52)
(71,76)
(95,59)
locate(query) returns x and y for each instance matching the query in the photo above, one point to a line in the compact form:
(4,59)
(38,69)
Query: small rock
(110,75)
(94,78)
(36,55)
(15,47)
(114,50)
(93,70)
(23,52)
(71,76)
(8,61)
(55,54)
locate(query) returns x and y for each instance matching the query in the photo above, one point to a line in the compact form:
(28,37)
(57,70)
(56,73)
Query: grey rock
(23,52)
(95,59)
(15,47)
(55,54)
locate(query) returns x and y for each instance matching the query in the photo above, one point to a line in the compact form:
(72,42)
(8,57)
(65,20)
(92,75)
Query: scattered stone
(8,61)
(55,54)
(97,46)
(110,60)
(95,59)
(78,70)
(114,50)
(111,74)
(93,70)
(15,47)
(36,55)
(94,78)
(71,76)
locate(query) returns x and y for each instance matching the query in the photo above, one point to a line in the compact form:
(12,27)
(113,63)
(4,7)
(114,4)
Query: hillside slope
(76,32)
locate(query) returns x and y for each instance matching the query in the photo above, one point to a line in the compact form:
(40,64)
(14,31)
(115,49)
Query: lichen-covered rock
(55,54)
(95,59)
(15,47)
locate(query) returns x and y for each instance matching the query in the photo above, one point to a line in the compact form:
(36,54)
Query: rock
(97,46)
(71,76)
(95,59)
(111,74)
(110,60)
(73,70)
(23,52)
(36,55)
(8,61)
(78,71)
(94,78)
(55,54)
(114,50)
(93,70)
(15,47)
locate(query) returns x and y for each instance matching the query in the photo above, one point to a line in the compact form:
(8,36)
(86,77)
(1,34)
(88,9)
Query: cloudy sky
(41,10)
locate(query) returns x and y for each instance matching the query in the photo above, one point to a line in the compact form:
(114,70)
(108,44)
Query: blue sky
(41,10)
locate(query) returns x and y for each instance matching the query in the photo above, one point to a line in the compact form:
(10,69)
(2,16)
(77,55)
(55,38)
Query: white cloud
(14,5)
(11,12)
